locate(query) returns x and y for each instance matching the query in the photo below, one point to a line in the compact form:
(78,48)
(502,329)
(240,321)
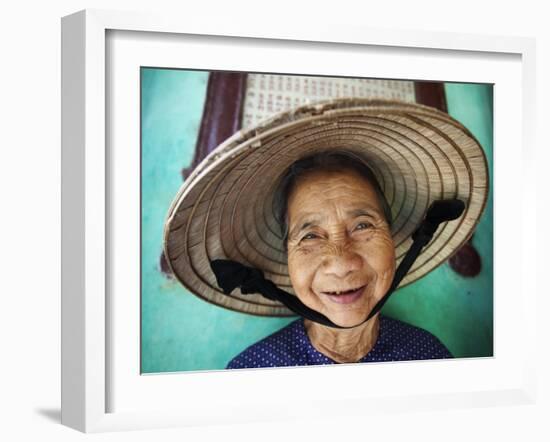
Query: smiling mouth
(345,296)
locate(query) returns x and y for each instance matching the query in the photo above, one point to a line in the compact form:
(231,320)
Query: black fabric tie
(231,274)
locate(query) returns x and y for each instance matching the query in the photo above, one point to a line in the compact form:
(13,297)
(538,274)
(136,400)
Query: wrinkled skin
(339,241)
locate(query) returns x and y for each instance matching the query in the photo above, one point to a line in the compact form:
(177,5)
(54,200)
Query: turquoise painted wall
(181,332)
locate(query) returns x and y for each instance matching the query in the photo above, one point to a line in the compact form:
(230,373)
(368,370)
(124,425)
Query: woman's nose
(341,263)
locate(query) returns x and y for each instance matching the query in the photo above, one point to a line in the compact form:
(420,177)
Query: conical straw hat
(224,210)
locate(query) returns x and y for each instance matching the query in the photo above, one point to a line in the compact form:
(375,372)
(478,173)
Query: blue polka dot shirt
(290,346)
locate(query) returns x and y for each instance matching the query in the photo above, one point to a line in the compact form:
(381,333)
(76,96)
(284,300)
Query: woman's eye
(309,236)
(363,226)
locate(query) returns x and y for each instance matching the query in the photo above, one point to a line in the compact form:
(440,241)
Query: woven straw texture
(225,207)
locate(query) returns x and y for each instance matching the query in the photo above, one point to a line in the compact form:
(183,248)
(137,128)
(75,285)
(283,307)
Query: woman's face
(341,256)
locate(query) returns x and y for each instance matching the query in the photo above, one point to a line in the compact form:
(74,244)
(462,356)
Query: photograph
(302,220)
(298,225)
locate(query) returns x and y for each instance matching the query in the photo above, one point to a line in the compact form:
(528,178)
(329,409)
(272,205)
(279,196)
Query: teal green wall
(182,332)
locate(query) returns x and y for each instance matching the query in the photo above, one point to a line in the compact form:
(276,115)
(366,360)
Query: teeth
(342,291)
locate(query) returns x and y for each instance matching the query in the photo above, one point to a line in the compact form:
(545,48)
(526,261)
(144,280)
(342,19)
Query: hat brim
(224,210)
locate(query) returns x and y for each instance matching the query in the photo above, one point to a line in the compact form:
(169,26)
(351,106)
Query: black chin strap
(231,274)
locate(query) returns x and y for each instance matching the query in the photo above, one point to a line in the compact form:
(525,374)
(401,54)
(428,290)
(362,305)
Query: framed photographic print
(215,105)
(221,247)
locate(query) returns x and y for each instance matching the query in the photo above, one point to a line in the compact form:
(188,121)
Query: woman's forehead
(323,193)
(334,214)
(345,186)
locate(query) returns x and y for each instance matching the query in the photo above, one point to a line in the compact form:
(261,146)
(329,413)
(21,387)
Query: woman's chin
(348,319)
(346,313)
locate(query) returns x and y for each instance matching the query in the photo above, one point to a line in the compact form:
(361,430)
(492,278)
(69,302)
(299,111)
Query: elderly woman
(323,212)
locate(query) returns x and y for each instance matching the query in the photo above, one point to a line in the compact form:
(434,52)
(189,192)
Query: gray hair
(326,161)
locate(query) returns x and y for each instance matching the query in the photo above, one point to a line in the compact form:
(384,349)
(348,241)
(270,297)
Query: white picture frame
(88,171)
